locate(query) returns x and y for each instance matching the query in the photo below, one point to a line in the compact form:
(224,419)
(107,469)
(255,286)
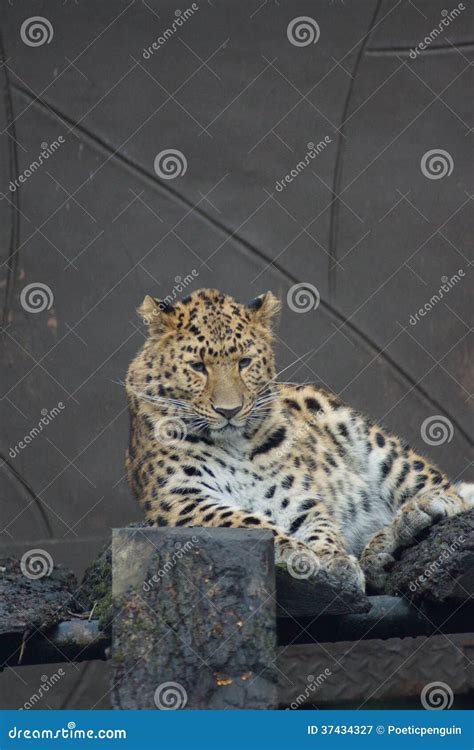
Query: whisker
(262,411)
(264,403)
(199,425)
(179,403)
(267,399)
(298,359)
(259,407)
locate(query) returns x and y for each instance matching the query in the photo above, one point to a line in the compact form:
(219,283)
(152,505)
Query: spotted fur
(216,441)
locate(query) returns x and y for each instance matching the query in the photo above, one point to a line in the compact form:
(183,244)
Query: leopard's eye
(244,362)
(198,366)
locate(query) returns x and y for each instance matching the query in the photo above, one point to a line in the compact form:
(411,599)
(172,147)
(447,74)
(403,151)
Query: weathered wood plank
(194,622)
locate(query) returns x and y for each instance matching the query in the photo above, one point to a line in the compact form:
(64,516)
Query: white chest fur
(233,480)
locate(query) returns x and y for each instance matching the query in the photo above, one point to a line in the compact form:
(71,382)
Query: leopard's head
(208,360)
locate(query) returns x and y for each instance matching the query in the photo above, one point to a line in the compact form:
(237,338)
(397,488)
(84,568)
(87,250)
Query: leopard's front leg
(206,512)
(320,532)
(420,512)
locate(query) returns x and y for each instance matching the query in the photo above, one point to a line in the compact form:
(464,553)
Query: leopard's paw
(466,491)
(419,514)
(377,568)
(345,572)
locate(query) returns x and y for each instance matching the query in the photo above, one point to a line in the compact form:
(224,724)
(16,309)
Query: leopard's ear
(157,314)
(265,307)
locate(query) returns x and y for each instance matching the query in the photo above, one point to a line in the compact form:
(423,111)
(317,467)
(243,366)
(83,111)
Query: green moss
(95,591)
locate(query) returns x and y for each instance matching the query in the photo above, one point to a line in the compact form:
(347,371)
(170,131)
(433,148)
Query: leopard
(217,440)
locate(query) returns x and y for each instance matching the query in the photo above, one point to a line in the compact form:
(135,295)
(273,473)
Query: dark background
(95,223)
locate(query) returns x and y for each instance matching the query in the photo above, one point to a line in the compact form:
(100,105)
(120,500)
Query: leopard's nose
(227,413)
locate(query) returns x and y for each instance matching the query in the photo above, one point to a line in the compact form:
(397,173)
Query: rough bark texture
(95,591)
(313,597)
(27,604)
(194,623)
(96,588)
(295,597)
(440,568)
(436,575)
(30,606)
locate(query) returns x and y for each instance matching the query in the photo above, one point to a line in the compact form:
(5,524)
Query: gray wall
(363,223)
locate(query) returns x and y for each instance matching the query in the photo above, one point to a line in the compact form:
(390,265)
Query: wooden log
(389,617)
(315,597)
(95,591)
(295,597)
(194,619)
(34,593)
(440,567)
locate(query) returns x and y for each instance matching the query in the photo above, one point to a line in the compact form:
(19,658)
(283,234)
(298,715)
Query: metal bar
(388,617)
(72,640)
